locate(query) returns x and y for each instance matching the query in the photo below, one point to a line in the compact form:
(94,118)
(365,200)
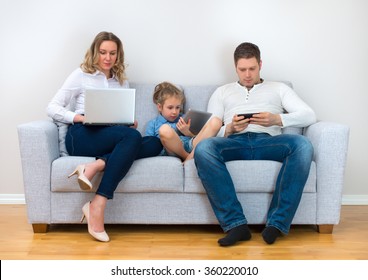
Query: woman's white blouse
(69,100)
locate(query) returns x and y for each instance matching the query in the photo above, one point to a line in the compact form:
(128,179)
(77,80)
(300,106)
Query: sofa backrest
(197,97)
(145,108)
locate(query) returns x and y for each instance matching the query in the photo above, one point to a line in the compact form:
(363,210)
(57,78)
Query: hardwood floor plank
(349,241)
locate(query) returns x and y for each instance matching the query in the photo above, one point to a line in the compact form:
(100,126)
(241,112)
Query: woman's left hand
(135,125)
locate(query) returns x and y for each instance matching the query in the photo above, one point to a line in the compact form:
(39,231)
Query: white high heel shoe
(83,181)
(100,236)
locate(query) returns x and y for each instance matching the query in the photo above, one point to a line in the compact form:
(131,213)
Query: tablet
(198,119)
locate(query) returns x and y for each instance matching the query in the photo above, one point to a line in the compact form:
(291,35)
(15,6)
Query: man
(274,105)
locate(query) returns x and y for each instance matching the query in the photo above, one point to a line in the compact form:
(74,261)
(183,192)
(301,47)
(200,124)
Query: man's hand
(266,119)
(239,123)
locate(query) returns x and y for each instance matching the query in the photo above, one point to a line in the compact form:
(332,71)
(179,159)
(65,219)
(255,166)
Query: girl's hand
(184,127)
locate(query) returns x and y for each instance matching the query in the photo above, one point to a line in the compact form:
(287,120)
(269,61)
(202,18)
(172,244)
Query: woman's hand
(135,125)
(78,119)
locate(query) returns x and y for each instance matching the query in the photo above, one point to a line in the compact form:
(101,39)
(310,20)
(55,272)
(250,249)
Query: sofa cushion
(156,174)
(258,176)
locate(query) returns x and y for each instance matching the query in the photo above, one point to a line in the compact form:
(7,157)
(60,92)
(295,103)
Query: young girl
(171,128)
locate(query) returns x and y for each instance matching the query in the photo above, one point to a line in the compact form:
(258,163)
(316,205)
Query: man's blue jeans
(295,152)
(117,145)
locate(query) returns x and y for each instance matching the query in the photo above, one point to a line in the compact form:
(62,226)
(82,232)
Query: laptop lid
(109,106)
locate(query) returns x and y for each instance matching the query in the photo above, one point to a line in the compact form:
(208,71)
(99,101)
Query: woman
(115,147)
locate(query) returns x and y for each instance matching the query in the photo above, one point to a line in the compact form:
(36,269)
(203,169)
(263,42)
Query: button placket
(246,96)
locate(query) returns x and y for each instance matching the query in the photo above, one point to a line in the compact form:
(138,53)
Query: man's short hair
(247,50)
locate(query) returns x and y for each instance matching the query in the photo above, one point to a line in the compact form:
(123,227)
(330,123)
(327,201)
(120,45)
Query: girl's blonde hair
(166,90)
(90,63)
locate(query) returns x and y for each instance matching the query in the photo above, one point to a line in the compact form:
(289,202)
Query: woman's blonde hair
(166,90)
(90,63)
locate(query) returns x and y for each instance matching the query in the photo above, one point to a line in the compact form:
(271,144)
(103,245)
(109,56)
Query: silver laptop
(109,106)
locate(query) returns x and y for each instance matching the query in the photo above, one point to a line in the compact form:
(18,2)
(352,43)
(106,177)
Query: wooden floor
(349,241)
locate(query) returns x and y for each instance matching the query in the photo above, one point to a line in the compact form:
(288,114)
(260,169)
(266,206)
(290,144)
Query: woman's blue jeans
(117,145)
(295,152)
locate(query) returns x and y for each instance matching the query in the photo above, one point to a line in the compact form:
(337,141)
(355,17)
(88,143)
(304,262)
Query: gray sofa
(161,190)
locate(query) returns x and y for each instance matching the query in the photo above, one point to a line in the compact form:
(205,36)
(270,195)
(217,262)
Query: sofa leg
(40,228)
(325,229)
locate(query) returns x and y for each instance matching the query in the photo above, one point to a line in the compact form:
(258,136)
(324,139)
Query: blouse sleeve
(60,107)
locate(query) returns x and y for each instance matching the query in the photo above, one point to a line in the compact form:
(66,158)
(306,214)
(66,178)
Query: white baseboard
(346,199)
(355,200)
(12,199)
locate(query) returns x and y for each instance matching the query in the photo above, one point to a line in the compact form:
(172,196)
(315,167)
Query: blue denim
(117,145)
(151,147)
(295,152)
(187,143)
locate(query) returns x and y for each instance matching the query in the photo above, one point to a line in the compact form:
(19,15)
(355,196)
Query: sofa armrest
(330,141)
(38,143)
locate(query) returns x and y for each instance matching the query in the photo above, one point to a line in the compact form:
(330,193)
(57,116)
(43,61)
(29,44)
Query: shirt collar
(255,86)
(98,72)
(163,120)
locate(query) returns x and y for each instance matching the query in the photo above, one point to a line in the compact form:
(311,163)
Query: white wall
(319,45)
